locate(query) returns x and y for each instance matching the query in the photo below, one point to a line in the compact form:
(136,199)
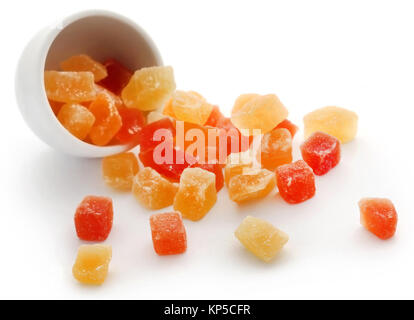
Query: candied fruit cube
(93,218)
(338,122)
(118,76)
(252,184)
(168,109)
(261,238)
(69,86)
(119,170)
(215,117)
(117,100)
(196,194)
(77,119)
(321,152)
(168,233)
(84,62)
(92,263)
(378,216)
(235,164)
(165,130)
(214,168)
(286,124)
(152,190)
(107,120)
(295,181)
(155,116)
(190,107)
(133,120)
(258,112)
(149,88)
(275,149)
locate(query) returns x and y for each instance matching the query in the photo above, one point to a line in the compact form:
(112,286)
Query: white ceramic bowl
(100,34)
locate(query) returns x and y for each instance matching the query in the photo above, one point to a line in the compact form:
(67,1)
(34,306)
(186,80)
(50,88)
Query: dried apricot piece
(118,76)
(77,119)
(190,107)
(275,149)
(119,170)
(83,62)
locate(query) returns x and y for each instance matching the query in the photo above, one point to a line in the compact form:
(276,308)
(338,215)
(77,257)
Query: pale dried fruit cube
(235,164)
(152,190)
(77,119)
(261,238)
(154,116)
(190,107)
(197,193)
(84,62)
(252,184)
(119,170)
(149,88)
(338,122)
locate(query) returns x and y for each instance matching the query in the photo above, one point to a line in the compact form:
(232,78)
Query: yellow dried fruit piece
(154,116)
(84,62)
(190,107)
(261,238)
(235,164)
(77,119)
(262,113)
(149,88)
(119,170)
(197,193)
(92,262)
(152,190)
(252,184)
(338,122)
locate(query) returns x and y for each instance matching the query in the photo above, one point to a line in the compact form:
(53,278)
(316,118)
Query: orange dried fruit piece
(69,86)
(196,194)
(83,62)
(117,100)
(235,164)
(77,119)
(119,170)
(149,88)
(190,107)
(56,106)
(262,113)
(261,238)
(275,149)
(92,263)
(252,184)
(168,109)
(152,190)
(108,121)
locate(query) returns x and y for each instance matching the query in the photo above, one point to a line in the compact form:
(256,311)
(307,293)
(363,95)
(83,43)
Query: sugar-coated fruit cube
(119,170)
(149,88)
(286,124)
(93,218)
(378,215)
(235,164)
(155,116)
(117,100)
(69,86)
(190,107)
(107,120)
(261,238)
(338,122)
(214,118)
(252,184)
(275,149)
(84,62)
(168,233)
(164,128)
(321,152)
(77,119)
(295,181)
(168,109)
(133,120)
(214,168)
(92,263)
(262,113)
(196,194)
(152,190)
(118,76)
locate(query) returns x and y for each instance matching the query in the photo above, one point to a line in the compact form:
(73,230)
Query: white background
(354,54)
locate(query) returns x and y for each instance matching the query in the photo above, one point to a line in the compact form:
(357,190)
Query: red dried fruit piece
(378,216)
(147,140)
(215,117)
(118,76)
(93,218)
(168,233)
(286,124)
(214,168)
(295,181)
(133,120)
(321,152)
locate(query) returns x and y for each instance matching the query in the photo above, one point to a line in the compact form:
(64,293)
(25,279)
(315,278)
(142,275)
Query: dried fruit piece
(258,112)
(69,86)
(235,164)
(118,76)
(107,120)
(338,122)
(154,116)
(275,149)
(214,118)
(152,190)
(117,100)
(119,170)
(154,133)
(133,120)
(149,88)
(321,152)
(261,238)
(92,263)
(56,106)
(197,193)
(286,124)
(93,218)
(295,181)
(214,168)
(378,216)
(84,62)
(168,109)
(77,119)
(168,233)
(190,107)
